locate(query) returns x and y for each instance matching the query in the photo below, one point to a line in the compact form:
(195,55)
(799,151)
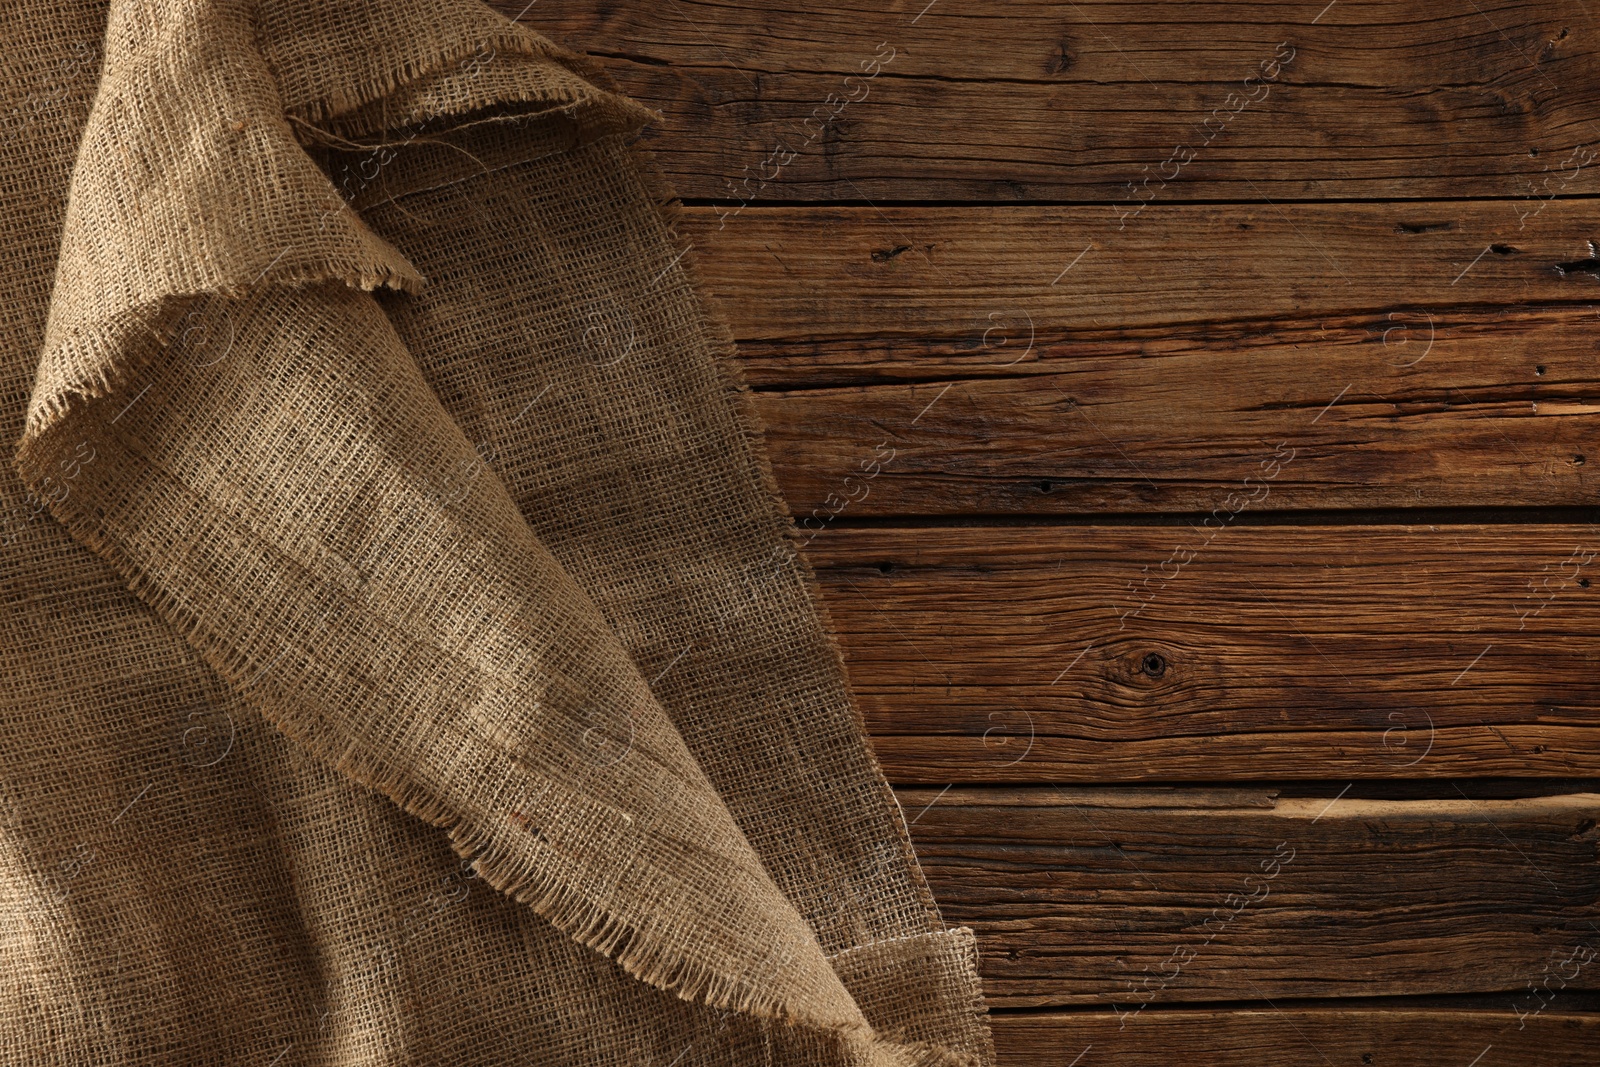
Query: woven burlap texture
(410,659)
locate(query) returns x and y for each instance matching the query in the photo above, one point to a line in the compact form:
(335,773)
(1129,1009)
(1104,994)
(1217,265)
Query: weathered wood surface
(1188,307)
(806,275)
(1295,1036)
(1400,337)
(1078,899)
(1006,101)
(1118,653)
(1399,409)
(1341,331)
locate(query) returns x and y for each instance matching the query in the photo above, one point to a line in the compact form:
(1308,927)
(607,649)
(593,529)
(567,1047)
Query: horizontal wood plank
(1006,101)
(1077,902)
(982,276)
(1402,409)
(1291,1036)
(1118,653)
(1365,337)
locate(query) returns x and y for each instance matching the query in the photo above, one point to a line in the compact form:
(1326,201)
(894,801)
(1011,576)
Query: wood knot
(1589,266)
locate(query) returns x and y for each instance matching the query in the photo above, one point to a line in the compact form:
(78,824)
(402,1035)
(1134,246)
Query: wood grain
(1002,101)
(1117,653)
(872,276)
(1291,1036)
(1078,902)
(1403,409)
(1367,337)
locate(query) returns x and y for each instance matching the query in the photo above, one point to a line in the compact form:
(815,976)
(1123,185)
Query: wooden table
(1192,411)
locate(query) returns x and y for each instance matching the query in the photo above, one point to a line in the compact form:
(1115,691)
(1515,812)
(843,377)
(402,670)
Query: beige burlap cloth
(406,657)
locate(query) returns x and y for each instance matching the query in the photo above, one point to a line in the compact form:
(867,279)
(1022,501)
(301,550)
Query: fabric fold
(227,414)
(382,601)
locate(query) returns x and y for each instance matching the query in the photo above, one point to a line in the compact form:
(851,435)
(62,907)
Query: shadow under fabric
(373,368)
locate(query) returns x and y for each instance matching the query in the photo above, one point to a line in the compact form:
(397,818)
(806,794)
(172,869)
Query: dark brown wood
(1291,1036)
(1116,653)
(1004,101)
(1399,409)
(1077,901)
(1399,338)
(873,276)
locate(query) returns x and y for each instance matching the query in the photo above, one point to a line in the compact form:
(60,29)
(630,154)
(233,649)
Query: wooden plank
(1394,337)
(1116,653)
(1396,1035)
(817,275)
(1084,903)
(1394,410)
(1155,373)
(997,100)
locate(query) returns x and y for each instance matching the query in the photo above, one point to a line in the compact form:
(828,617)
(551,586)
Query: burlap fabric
(407,660)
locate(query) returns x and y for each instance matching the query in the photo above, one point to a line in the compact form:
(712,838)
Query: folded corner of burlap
(194,177)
